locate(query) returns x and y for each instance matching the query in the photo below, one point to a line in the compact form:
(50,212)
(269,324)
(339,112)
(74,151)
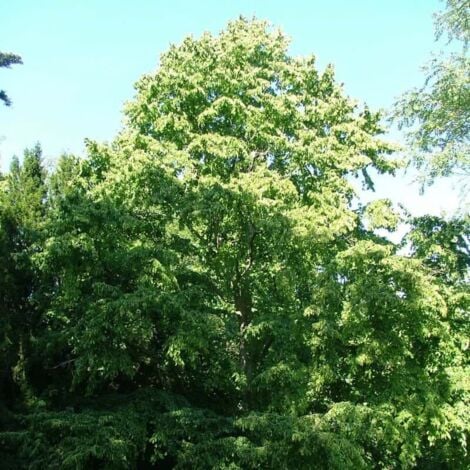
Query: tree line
(206,292)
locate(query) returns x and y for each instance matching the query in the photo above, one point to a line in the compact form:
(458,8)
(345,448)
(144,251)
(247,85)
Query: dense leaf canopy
(206,292)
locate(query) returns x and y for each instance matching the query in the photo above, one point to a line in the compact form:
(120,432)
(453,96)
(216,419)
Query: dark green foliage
(22,208)
(6,60)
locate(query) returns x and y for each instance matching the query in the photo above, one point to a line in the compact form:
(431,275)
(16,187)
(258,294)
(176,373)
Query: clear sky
(81,59)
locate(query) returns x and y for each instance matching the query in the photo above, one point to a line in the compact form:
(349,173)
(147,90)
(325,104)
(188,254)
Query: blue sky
(81,59)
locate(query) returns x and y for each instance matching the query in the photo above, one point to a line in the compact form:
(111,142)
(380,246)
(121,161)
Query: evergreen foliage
(7,59)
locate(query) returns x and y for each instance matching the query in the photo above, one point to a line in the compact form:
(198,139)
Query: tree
(443,246)
(6,60)
(209,298)
(438,114)
(22,201)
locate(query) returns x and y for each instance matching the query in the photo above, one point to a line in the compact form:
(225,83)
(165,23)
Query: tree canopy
(437,115)
(205,291)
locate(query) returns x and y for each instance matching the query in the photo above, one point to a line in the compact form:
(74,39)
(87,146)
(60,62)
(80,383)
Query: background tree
(443,246)
(6,60)
(22,210)
(438,114)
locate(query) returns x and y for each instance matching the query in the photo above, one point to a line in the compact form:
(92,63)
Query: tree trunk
(243,305)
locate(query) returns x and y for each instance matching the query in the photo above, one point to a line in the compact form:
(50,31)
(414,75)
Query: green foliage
(379,214)
(201,293)
(454,21)
(6,60)
(22,208)
(443,245)
(437,115)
